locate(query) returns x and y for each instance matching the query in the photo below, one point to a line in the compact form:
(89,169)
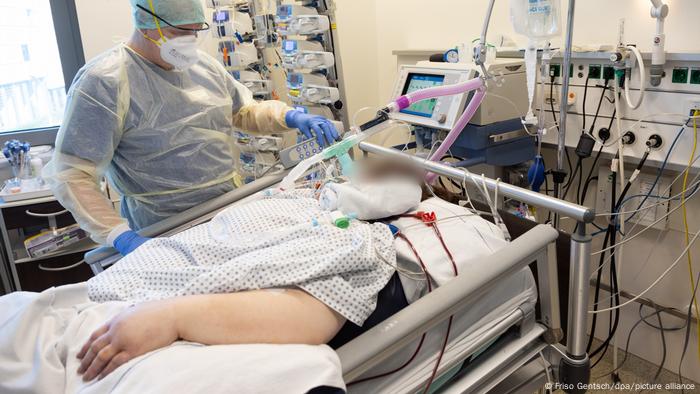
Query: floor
(636,371)
(639,371)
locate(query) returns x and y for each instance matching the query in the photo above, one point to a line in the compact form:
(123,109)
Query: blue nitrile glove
(128,241)
(309,125)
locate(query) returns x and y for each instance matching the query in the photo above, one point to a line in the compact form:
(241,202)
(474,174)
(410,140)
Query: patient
(276,270)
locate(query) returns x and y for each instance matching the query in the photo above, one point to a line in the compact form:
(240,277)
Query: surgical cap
(176,12)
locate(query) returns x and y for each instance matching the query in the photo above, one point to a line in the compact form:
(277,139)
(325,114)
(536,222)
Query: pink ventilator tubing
(477,84)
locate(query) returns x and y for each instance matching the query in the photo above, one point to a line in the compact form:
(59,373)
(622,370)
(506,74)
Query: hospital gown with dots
(269,243)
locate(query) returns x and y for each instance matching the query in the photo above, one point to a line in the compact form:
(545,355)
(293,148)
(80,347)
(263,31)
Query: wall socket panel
(692,106)
(642,185)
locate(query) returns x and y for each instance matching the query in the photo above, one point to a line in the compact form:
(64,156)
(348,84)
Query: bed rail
(383,340)
(574,211)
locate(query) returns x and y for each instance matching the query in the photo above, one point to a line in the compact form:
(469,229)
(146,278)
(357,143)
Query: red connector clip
(426,217)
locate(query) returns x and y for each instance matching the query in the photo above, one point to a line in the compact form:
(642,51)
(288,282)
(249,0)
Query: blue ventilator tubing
(536,174)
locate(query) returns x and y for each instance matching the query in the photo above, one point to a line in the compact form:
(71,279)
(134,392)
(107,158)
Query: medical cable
(608,237)
(572,176)
(408,138)
(686,341)
(663,275)
(359,111)
(642,80)
(635,235)
(663,345)
(582,195)
(466,192)
(547,372)
(583,109)
(554,115)
(428,279)
(662,168)
(664,200)
(517,111)
(417,276)
(267,171)
(665,216)
(498,220)
(428,219)
(685,222)
(590,178)
(59,269)
(600,104)
(452,181)
(667,329)
(494,210)
(631,237)
(694,185)
(611,236)
(629,338)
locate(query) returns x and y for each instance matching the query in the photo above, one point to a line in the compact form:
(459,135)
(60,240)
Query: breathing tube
(476,84)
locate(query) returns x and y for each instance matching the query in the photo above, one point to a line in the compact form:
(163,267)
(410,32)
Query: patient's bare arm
(289,317)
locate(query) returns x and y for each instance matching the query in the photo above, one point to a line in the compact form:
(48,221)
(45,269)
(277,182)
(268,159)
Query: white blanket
(467,236)
(40,335)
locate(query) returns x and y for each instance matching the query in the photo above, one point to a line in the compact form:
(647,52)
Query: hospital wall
(415,24)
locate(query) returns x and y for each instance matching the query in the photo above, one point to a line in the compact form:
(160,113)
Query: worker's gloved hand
(325,131)
(128,241)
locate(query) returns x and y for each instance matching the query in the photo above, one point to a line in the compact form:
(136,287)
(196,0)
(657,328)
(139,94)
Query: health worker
(156,117)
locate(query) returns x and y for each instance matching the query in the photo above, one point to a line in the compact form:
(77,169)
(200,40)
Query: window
(39,54)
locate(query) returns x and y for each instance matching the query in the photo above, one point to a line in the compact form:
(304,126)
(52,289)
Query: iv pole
(561,142)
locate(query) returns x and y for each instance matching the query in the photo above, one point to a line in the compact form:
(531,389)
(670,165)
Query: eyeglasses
(195,31)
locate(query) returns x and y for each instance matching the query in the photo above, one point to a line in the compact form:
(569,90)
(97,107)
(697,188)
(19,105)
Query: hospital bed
(498,342)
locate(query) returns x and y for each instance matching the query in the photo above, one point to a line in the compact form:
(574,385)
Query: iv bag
(536,19)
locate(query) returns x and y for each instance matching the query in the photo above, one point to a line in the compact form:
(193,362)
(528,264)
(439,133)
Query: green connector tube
(342,223)
(346,164)
(340,148)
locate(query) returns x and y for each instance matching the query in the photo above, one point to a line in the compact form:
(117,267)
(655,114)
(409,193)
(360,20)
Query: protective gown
(162,138)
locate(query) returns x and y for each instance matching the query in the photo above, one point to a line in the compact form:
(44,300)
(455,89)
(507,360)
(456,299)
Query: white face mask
(180,52)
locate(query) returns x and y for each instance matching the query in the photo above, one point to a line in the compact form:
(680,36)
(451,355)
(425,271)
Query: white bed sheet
(40,334)
(468,326)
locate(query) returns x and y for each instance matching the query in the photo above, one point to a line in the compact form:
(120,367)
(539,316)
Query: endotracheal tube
(339,150)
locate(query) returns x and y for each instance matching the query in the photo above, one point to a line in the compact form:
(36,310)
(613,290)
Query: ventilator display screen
(415,82)
(221,16)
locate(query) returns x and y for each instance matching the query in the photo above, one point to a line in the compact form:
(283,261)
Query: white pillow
(371,200)
(467,236)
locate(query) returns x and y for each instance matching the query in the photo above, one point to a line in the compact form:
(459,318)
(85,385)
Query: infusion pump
(442,113)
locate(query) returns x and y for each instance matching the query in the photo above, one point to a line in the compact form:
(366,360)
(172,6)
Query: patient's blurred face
(373,169)
(376,170)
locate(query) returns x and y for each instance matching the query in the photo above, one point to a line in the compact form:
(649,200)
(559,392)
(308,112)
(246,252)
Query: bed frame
(527,352)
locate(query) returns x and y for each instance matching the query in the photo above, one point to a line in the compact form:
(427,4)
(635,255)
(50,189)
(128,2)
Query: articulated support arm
(659,10)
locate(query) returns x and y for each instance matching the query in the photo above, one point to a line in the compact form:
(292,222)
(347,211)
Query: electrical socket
(693,105)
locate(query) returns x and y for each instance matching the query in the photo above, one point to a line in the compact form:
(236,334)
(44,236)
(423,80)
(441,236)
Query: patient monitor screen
(415,82)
